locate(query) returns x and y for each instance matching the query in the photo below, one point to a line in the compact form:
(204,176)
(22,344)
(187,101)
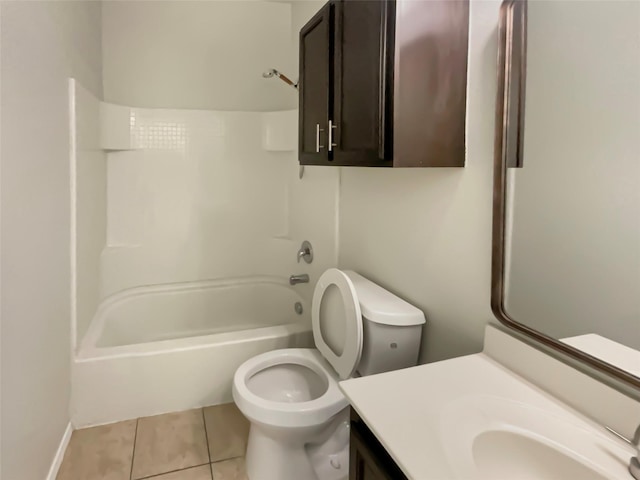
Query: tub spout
(296,279)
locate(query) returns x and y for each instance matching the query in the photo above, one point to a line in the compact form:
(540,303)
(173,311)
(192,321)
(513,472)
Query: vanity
(510,412)
(555,393)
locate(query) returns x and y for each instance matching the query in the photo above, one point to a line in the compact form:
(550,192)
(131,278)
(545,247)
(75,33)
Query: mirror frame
(508,150)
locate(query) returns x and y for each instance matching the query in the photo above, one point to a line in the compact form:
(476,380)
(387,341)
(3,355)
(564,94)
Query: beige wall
(575,258)
(198,55)
(43,43)
(425,234)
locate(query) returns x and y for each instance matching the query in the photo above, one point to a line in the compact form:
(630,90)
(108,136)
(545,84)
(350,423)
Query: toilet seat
(299,416)
(285,414)
(338,334)
(342,320)
(346,361)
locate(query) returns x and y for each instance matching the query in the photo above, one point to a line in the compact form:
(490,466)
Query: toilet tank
(392,328)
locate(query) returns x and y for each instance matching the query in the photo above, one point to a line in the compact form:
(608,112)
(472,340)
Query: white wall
(575,259)
(199,55)
(43,43)
(199,196)
(194,195)
(89,209)
(425,234)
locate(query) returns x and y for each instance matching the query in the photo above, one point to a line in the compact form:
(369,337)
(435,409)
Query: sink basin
(504,454)
(487,437)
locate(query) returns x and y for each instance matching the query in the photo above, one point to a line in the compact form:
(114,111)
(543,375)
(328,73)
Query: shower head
(272,72)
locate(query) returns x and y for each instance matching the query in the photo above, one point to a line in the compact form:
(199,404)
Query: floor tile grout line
(172,471)
(206,436)
(133,452)
(226,459)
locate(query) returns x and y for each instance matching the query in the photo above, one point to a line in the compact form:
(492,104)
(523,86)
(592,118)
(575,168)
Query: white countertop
(410,411)
(621,356)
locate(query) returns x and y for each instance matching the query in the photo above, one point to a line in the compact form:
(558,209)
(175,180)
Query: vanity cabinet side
(430,83)
(368,460)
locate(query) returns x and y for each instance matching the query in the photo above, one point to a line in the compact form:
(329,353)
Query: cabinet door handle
(318,130)
(331,127)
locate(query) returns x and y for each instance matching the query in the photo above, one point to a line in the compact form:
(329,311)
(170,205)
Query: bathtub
(152,350)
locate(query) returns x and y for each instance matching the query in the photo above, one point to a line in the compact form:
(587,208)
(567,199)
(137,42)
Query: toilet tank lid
(381,306)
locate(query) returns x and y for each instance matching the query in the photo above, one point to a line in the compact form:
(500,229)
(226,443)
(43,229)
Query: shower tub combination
(159,349)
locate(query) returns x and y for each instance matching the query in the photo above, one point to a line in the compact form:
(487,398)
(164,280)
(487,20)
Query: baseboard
(57,460)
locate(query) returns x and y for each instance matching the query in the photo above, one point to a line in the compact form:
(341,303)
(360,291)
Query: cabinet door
(314,88)
(368,460)
(363,462)
(362,466)
(362,117)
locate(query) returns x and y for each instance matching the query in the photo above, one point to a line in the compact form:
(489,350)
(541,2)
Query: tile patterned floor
(202,444)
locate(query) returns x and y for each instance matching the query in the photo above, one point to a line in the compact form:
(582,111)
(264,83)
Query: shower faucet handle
(306,252)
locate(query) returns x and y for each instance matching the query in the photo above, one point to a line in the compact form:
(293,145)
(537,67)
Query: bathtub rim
(185,344)
(88,348)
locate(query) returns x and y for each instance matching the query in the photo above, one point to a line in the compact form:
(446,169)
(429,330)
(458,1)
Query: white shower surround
(211,328)
(197,203)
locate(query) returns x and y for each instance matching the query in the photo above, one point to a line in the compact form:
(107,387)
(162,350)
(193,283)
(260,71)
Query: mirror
(567,224)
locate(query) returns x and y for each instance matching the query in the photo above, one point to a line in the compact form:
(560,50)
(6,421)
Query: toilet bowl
(292,399)
(298,414)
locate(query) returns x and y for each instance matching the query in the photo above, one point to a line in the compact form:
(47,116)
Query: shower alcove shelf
(383,84)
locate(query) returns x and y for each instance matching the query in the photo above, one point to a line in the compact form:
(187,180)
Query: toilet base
(321,453)
(270,459)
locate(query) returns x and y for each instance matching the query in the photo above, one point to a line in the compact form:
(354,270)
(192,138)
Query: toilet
(299,417)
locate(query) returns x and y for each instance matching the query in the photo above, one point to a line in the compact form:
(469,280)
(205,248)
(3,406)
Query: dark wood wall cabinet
(383,84)
(368,460)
